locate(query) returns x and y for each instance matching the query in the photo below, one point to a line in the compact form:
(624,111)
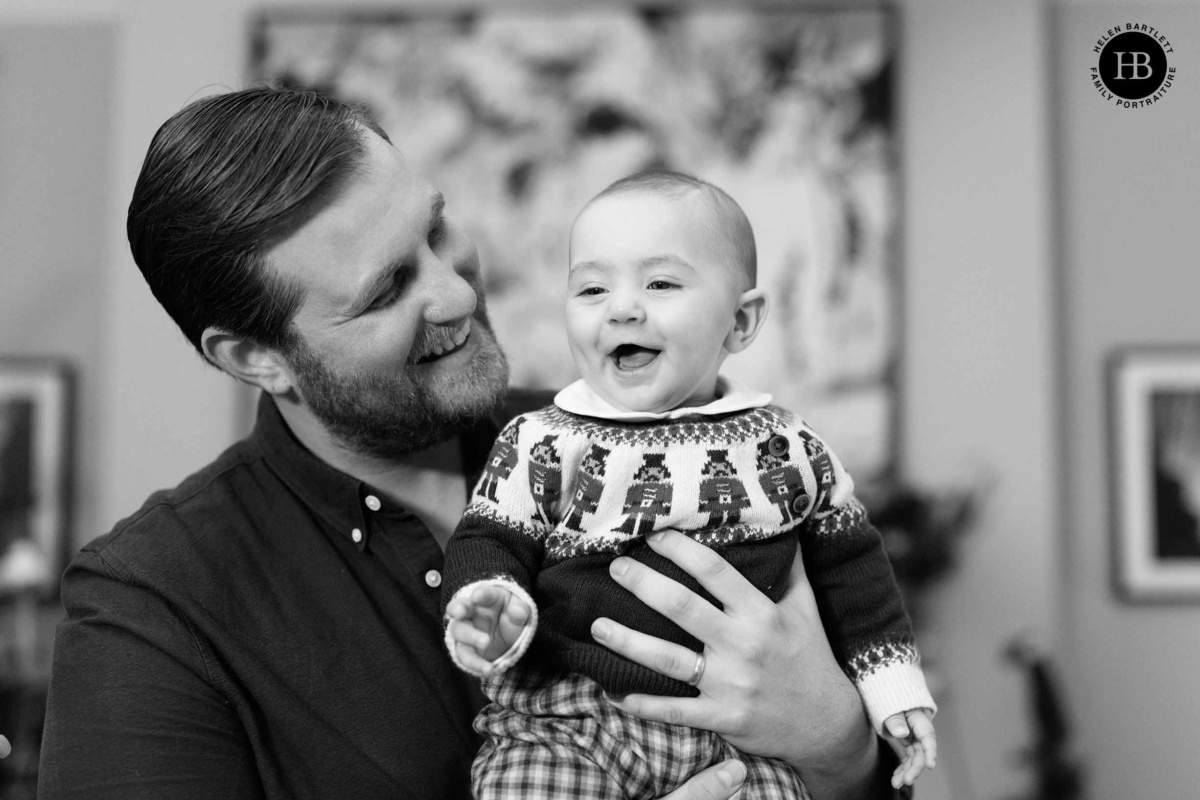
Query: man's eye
(387,298)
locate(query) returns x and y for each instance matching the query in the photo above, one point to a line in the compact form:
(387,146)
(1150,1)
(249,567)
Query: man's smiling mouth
(439,341)
(629,357)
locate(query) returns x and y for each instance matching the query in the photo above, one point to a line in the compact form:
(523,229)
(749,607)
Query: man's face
(393,351)
(651,297)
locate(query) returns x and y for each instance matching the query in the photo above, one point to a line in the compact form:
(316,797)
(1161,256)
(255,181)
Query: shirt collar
(581,399)
(343,501)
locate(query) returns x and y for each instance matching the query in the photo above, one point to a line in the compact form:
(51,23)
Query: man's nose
(451,295)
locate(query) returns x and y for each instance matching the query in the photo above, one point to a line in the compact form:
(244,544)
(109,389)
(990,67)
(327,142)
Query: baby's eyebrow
(666,259)
(580,266)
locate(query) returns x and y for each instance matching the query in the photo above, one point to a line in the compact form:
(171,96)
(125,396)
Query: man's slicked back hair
(734,225)
(225,178)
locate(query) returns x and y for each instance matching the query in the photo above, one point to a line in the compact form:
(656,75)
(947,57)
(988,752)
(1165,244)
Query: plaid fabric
(550,736)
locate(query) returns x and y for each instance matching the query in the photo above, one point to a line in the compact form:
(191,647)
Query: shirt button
(433,578)
(778,445)
(356,535)
(373,502)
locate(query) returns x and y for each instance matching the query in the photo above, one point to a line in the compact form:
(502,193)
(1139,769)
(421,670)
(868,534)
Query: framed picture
(1155,420)
(35,449)
(520,113)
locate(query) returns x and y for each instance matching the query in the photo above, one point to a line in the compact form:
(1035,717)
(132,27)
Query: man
(269,628)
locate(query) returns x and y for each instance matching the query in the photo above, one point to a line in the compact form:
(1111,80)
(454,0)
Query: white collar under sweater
(581,399)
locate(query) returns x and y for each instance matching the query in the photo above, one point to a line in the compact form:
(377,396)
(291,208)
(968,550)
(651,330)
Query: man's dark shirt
(268,628)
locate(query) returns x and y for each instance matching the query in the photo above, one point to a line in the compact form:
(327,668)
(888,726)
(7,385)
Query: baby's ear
(747,320)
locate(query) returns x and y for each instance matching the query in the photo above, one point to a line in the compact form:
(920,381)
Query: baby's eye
(591,291)
(660,285)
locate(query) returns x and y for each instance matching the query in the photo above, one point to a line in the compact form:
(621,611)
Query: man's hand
(5,747)
(771,685)
(484,624)
(715,783)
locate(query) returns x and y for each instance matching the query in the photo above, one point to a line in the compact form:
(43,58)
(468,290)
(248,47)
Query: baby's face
(650,301)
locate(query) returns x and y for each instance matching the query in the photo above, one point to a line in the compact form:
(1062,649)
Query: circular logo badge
(1133,65)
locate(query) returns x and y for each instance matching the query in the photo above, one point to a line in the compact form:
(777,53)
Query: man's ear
(747,320)
(247,361)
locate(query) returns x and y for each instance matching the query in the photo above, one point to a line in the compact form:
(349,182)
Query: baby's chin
(637,403)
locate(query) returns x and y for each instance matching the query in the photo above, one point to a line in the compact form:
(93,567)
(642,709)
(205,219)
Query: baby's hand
(484,625)
(911,736)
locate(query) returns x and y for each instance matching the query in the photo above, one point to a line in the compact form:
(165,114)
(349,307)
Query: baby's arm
(490,625)
(911,735)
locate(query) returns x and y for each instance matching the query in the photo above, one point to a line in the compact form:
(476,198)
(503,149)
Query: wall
(978,329)
(56,93)
(977,370)
(1128,202)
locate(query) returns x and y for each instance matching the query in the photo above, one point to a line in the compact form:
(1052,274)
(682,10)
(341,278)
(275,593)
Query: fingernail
(732,774)
(619,567)
(601,630)
(655,537)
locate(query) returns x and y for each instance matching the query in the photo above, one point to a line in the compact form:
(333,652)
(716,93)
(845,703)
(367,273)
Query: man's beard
(385,415)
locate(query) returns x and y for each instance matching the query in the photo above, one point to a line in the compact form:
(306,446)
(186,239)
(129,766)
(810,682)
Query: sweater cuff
(518,648)
(892,689)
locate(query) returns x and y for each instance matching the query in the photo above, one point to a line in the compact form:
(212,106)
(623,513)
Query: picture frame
(520,112)
(36,429)
(1154,411)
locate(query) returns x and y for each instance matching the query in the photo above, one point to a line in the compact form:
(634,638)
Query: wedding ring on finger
(698,670)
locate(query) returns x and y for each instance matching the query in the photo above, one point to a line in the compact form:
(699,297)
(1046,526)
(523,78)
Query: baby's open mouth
(633,356)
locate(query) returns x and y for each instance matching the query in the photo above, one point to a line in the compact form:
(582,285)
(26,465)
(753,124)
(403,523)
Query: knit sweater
(563,494)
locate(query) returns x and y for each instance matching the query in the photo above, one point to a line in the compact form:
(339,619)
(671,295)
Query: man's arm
(130,713)
(771,685)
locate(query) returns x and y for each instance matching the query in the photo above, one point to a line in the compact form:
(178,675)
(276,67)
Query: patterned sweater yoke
(562,494)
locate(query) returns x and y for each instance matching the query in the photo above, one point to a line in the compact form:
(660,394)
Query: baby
(661,289)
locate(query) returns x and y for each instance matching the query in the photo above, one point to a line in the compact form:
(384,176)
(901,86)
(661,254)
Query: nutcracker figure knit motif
(564,494)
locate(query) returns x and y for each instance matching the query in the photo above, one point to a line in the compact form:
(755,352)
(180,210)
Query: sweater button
(800,503)
(778,445)
(433,579)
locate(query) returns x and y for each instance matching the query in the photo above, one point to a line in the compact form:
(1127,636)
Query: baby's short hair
(727,214)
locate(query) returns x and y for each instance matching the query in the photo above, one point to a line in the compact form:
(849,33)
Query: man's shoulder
(174,520)
(522,401)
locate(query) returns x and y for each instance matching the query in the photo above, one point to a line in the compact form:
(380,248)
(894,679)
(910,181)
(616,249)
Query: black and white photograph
(499,399)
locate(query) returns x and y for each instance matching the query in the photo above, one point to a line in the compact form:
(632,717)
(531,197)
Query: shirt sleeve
(503,530)
(131,713)
(862,611)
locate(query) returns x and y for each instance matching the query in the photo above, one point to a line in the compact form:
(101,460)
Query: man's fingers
(690,712)
(674,601)
(719,782)
(673,660)
(714,573)
(5,747)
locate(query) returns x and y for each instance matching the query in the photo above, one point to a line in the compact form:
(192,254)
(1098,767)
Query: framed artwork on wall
(1154,403)
(520,113)
(35,453)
